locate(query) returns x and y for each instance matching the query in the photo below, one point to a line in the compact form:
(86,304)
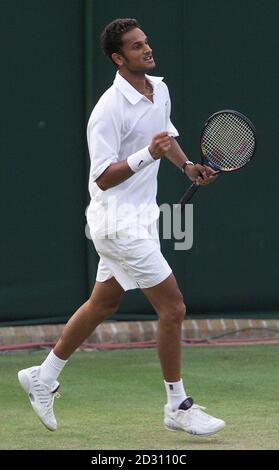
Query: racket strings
(228,141)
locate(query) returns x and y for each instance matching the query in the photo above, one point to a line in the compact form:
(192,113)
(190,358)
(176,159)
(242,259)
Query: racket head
(227,141)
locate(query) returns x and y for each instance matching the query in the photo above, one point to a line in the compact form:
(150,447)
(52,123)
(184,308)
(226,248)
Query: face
(136,54)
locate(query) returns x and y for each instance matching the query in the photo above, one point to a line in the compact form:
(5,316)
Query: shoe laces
(44,395)
(49,404)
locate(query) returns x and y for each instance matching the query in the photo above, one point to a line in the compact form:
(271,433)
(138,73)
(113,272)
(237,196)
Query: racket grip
(187,196)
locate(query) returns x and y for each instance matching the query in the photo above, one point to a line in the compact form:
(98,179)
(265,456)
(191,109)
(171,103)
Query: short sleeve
(103,136)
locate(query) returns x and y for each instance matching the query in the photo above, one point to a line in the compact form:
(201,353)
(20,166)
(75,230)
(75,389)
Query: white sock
(51,368)
(175,393)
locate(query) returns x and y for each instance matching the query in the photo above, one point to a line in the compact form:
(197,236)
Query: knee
(108,306)
(175,314)
(179,312)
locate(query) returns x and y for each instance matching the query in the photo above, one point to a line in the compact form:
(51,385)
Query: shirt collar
(129,91)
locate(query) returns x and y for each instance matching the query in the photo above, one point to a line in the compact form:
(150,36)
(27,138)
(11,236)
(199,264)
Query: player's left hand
(200,174)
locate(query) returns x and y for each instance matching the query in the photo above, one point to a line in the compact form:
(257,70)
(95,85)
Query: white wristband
(139,160)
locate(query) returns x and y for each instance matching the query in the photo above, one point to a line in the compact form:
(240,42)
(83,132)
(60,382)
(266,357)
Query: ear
(117,59)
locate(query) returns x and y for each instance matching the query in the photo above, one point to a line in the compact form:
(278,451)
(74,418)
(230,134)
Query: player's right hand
(160,144)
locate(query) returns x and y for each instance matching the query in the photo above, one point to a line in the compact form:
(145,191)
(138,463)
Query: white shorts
(135,263)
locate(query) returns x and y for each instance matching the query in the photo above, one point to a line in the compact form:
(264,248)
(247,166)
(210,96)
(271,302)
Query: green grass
(114,400)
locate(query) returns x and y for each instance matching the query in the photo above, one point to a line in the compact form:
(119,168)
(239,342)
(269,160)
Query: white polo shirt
(122,123)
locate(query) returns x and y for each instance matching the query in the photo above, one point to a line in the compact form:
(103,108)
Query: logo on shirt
(140,163)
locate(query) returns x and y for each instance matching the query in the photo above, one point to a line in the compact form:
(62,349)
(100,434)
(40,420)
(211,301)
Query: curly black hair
(111,37)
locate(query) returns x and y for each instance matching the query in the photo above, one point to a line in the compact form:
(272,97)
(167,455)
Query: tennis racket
(227,143)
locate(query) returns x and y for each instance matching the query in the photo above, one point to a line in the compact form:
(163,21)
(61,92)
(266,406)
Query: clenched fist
(160,144)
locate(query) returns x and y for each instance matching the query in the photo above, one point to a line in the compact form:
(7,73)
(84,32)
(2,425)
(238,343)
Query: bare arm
(118,172)
(115,174)
(175,153)
(198,173)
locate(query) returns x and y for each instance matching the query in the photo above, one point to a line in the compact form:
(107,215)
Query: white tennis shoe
(192,419)
(41,396)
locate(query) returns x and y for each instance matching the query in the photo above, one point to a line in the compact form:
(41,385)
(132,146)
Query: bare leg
(167,301)
(102,303)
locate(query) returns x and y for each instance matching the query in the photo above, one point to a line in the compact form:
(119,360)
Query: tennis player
(128,132)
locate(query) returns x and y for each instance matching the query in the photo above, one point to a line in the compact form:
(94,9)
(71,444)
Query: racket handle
(187,196)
